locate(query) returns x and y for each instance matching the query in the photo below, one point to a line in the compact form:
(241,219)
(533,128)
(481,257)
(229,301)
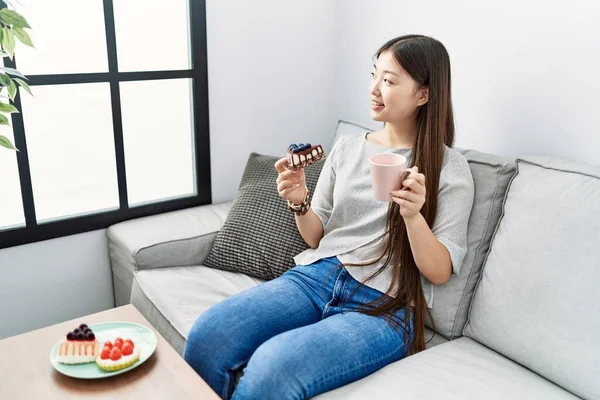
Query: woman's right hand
(290,185)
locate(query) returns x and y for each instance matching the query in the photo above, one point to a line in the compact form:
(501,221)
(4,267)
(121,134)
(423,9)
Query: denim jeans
(295,336)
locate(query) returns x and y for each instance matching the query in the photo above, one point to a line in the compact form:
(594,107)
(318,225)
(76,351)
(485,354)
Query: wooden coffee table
(26,372)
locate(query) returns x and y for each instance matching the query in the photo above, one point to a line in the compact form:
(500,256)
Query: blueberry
(82,326)
(308,146)
(80,336)
(76,331)
(70,336)
(90,336)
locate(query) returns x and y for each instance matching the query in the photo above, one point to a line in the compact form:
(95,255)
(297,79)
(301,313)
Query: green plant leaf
(13,18)
(8,41)
(12,71)
(4,142)
(24,85)
(23,36)
(4,80)
(4,120)
(7,108)
(12,91)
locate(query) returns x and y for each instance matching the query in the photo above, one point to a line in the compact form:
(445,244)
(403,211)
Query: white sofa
(521,321)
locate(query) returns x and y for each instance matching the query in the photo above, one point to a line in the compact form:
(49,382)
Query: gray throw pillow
(260,237)
(491,175)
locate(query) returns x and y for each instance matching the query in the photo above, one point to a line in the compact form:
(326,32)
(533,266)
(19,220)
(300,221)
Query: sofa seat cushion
(460,369)
(173,298)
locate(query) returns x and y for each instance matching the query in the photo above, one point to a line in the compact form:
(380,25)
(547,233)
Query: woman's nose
(374,90)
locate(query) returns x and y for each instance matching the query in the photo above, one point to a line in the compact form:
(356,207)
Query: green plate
(143,338)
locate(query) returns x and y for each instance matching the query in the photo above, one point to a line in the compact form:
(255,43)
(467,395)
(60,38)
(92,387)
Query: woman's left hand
(412,196)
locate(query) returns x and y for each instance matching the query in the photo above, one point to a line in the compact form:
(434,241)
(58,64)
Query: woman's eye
(387,81)
(372,74)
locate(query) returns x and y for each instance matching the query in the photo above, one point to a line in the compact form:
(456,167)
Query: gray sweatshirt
(354,222)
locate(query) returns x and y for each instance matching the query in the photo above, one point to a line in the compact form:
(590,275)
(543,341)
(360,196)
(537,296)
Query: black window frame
(34,231)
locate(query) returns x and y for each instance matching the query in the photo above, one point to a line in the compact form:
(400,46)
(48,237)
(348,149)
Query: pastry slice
(302,155)
(79,347)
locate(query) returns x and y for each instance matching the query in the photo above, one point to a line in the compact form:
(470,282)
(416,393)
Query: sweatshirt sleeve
(455,201)
(322,199)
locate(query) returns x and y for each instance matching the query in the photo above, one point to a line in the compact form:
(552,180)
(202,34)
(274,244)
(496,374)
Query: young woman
(357,299)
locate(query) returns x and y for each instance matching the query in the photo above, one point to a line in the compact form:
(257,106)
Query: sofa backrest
(349,128)
(538,300)
(491,175)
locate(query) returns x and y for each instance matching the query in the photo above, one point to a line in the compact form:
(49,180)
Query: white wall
(270,67)
(525,73)
(270,83)
(52,281)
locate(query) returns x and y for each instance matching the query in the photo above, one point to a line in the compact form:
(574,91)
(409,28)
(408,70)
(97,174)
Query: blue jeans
(297,336)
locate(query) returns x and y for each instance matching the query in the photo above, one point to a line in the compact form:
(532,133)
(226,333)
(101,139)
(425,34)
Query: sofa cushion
(176,238)
(260,237)
(461,369)
(491,175)
(344,128)
(173,298)
(538,301)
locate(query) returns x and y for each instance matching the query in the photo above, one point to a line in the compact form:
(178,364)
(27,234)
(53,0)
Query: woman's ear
(423,96)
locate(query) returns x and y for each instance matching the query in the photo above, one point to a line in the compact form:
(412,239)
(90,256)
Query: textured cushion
(491,175)
(538,301)
(460,370)
(260,237)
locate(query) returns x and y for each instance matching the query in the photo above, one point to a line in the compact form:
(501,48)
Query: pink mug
(387,173)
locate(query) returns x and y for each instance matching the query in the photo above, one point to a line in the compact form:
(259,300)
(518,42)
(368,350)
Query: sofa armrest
(176,238)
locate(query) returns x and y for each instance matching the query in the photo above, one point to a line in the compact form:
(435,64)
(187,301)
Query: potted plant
(12,28)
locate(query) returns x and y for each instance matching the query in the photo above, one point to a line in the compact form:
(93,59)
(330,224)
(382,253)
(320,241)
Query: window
(118,127)
(11,203)
(71,152)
